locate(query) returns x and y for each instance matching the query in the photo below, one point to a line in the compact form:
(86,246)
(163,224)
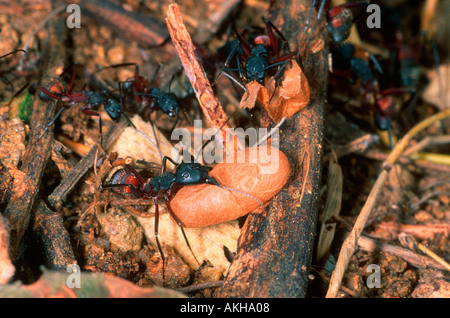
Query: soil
(109,238)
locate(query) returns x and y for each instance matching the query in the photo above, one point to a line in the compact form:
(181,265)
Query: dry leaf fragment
(283,100)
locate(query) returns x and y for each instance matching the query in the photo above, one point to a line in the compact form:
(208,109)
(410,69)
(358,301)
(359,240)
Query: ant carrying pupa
(127,181)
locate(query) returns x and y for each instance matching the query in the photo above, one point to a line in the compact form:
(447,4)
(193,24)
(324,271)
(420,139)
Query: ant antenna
(10,53)
(215,134)
(322,4)
(132,125)
(242,192)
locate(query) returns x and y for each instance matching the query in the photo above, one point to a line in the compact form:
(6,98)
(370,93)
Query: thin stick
(210,105)
(350,243)
(18,210)
(408,241)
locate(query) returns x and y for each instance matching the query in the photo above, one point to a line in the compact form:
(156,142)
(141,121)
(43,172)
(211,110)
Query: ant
(404,68)
(152,97)
(92,100)
(254,60)
(128,181)
(346,64)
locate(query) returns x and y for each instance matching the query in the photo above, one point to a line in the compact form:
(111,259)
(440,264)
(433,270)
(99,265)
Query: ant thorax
(256,64)
(163,182)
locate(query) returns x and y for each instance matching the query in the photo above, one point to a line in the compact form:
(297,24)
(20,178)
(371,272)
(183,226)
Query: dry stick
(6,267)
(350,243)
(18,210)
(408,241)
(194,70)
(275,247)
(49,231)
(371,245)
(85,163)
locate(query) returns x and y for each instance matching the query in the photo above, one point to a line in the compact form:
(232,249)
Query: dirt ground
(107,235)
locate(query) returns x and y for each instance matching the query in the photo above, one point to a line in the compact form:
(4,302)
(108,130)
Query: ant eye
(185,175)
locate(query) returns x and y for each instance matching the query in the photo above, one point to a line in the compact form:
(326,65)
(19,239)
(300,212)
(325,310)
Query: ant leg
(246,48)
(174,124)
(155,202)
(227,62)
(18,93)
(163,169)
(87,109)
(154,130)
(72,79)
(15,51)
(52,121)
(167,197)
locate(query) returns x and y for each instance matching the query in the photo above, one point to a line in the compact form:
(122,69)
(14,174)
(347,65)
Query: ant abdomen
(121,177)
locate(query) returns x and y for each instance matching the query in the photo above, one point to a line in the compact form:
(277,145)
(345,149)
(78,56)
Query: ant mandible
(91,99)
(253,61)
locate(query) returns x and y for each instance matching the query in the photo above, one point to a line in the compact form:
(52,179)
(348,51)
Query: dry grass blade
(350,243)
(332,209)
(409,242)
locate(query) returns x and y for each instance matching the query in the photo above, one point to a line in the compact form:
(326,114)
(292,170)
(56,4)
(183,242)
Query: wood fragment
(275,247)
(194,70)
(370,245)
(53,238)
(71,179)
(18,210)
(132,26)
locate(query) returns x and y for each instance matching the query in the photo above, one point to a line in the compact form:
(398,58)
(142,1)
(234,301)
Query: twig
(194,70)
(18,210)
(409,242)
(85,163)
(49,230)
(370,245)
(350,243)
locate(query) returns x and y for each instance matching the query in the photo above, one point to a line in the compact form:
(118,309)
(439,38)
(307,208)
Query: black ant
(129,181)
(381,102)
(151,97)
(91,101)
(254,60)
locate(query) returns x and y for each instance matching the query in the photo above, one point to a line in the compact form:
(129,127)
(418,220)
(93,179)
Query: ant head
(113,109)
(170,105)
(193,173)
